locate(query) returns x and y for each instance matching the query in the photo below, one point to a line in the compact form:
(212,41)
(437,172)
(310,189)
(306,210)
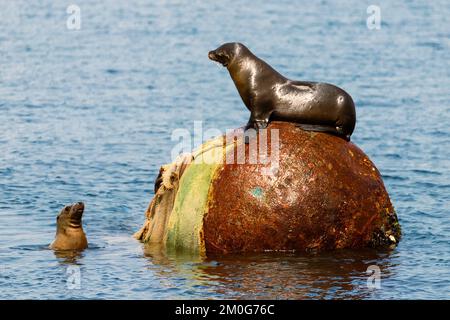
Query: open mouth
(76,215)
(75,218)
(77,212)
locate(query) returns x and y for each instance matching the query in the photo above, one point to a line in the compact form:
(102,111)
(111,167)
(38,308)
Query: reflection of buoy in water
(323,194)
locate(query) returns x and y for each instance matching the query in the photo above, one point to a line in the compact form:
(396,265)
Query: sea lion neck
(244,69)
(75,225)
(68,226)
(241,72)
(246,65)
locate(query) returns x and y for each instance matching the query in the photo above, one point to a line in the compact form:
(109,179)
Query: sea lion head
(70,216)
(227,53)
(69,230)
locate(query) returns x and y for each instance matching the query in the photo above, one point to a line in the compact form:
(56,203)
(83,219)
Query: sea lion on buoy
(314,106)
(69,229)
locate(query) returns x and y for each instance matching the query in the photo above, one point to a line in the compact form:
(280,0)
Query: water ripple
(88,115)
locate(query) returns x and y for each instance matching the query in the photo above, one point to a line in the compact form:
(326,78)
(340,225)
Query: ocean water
(87,115)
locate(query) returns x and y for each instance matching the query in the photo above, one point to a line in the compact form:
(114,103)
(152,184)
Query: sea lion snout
(77,211)
(78,205)
(219,56)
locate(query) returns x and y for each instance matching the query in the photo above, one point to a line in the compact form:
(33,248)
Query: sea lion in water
(69,229)
(314,106)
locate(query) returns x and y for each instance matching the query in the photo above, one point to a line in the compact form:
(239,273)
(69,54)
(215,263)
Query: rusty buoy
(324,193)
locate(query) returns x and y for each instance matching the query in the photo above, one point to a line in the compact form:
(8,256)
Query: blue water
(88,115)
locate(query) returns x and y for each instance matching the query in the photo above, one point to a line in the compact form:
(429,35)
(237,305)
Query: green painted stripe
(185,227)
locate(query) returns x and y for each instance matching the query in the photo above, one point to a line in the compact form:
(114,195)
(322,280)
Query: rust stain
(327,194)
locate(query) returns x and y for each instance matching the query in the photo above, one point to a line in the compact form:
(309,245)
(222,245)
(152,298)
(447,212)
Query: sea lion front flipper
(250,124)
(256,124)
(258,121)
(323,128)
(261,124)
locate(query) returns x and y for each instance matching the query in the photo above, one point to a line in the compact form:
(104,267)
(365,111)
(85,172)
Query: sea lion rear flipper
(323,128)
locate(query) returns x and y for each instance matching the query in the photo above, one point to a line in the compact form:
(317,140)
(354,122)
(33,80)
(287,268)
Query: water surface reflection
(336,275)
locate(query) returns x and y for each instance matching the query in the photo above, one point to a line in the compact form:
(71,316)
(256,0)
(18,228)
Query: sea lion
(69,229)
(314,106)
